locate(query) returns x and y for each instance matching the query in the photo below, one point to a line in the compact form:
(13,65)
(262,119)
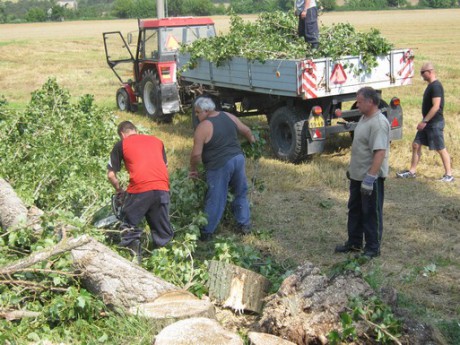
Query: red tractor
(154,65)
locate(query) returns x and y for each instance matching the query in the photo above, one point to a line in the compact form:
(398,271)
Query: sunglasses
(424,70)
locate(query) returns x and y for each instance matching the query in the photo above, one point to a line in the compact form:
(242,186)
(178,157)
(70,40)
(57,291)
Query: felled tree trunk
(197,331)
(308,304)
(237,288)
(116,280)
(12,209)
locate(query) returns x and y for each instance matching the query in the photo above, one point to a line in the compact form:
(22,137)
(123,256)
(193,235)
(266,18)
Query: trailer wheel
(123,101)
(151,97)
(288,135)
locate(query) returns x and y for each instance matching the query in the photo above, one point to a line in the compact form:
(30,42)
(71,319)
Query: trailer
(304,100)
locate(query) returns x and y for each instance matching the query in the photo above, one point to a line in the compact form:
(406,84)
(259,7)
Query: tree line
(50,10)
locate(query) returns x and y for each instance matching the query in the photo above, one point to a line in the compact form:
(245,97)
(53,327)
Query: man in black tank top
(216,145)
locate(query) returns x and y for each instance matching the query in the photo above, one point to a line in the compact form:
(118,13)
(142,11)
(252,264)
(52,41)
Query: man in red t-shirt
(148,191)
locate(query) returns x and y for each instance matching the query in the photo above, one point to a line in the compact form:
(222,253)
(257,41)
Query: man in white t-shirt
(307,12)
(367,172)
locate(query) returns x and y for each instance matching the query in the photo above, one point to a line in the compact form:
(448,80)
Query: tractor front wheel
(123,101)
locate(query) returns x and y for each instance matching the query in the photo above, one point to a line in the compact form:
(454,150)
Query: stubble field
(303,206)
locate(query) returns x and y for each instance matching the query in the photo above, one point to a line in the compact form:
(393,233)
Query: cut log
(237,288)
(256,338)
(172,307)
(116,280)
(12,209)
(197,331)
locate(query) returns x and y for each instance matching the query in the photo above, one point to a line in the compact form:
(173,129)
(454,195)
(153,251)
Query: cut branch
(61,247)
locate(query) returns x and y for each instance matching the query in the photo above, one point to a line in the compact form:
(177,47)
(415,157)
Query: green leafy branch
(276,32)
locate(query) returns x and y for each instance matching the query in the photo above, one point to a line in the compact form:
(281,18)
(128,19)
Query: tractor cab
(160,39)
(150,73)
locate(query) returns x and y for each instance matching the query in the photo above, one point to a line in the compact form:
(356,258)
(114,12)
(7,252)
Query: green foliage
(385,327)
(254,151)
(55,153)
(274,36)
(327,5)
(36,15)
(254,6)
(122,8)
(439,3)
(450,330)
(365,4)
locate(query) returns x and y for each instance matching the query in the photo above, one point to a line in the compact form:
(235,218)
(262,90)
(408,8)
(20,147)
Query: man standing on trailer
(367,172)
(307,11)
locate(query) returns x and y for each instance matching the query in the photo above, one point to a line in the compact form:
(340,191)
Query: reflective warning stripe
(407,70)
(309,80)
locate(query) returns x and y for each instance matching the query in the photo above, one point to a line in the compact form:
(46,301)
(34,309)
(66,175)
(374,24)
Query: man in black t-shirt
(430,131)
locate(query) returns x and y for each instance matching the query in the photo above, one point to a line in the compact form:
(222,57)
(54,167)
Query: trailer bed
(307,79)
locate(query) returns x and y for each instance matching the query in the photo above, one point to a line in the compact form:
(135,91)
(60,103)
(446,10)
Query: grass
(303,207)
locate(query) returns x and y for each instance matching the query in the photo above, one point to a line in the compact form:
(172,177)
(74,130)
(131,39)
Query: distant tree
(198,7)
(2,13)
(439,3)
(365,4)
(397,3)
(255,6)
(36,15)
(143,9)
(328,5)
(123,8)
(57,13)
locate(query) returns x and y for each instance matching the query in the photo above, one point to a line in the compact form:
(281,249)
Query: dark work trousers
(365,216)
(154,206)
(308,27)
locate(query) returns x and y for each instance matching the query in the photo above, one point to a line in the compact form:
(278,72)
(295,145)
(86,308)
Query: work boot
(368,255)
(136,250)
(245,229)
(205,237)
(347,248)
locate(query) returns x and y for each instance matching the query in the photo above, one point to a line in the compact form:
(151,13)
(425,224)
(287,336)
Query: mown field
(303,206)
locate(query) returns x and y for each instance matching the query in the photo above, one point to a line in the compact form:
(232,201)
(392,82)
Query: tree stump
(12,209)
(116,280)
(172,307)
(236,287)
(256,338)
(196,331)
(308,305)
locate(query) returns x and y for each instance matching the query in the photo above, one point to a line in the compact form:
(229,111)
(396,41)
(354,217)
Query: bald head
(428,66)
(427,72)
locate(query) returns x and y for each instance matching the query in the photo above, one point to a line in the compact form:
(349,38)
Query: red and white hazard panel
(406,70)
(308,85)
(338,75)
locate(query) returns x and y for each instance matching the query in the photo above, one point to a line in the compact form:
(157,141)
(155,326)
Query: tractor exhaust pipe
(160,9)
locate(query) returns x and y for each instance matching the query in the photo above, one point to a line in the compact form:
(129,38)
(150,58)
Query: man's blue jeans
(233,175)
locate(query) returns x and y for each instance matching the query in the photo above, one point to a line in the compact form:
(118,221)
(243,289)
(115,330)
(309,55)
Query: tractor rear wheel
(151,97)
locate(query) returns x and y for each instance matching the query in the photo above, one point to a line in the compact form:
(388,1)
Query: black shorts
(432,136)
